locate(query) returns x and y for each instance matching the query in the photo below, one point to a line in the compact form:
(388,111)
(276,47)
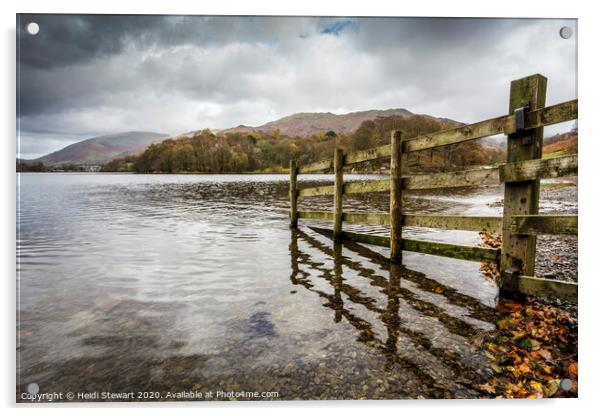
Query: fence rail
(548,116)
(447,222)
(544,224)
(520,175)
(478,176)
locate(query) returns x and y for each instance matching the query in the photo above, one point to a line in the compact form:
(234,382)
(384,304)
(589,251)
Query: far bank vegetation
(270,152)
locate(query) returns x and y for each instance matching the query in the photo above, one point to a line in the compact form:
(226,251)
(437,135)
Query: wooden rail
(447,222)
(544,224)
(539,169)
(454,222)
(521,224)
(486,175)
(547,116)
(547,288)
(471,177)
(520,175)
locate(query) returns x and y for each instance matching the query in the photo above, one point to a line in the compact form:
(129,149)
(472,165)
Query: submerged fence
(521,174)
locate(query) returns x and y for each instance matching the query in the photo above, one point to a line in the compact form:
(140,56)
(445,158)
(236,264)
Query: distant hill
(242,150)
(566,142)
(307,124)
(100,150)
(561,144)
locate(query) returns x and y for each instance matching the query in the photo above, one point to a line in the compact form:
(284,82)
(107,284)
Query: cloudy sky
(85,75)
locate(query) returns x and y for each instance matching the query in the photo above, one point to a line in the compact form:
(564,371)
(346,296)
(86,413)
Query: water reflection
(180,282)
(451,368)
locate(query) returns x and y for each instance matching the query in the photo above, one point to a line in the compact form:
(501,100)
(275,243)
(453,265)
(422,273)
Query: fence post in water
(521,198)
(338,194)
(293,193)
(396,203)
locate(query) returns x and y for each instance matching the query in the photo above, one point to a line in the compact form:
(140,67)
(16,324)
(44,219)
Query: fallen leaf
(573,370)
(496,368)
(545,354)
(553,387)
(487,388)
(526,350)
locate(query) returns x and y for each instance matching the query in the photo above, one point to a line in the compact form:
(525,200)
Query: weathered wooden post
(337,303)
(396,203)
(521,198)
(339,162)
(293,193)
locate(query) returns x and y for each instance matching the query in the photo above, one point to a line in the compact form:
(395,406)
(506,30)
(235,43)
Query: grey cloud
(72,39)
(89,75)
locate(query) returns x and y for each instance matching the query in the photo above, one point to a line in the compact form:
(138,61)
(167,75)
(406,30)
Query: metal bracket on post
(519,120)
(510,278)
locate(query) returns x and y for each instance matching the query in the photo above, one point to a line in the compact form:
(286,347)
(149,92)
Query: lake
(182,283)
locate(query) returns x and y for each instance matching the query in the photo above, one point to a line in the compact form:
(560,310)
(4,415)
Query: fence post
(293,193)
(396,203)
(521,198)
(338,194)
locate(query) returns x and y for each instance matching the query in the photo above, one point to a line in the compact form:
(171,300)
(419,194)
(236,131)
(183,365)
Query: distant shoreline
(277,172)
(200,173)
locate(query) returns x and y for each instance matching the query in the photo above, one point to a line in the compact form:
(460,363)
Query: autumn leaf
(487,388)
(573,370)
(496,368)
(546,355)
(553,387)
(526,351)
(546,368)
(535,344)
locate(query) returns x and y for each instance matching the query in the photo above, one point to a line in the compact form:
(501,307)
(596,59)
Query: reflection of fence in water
(420,335)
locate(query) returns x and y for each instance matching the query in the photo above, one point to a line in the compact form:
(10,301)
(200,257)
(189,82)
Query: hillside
(242,151)
(257,151)
(100,150)
(561,144)
(308,124)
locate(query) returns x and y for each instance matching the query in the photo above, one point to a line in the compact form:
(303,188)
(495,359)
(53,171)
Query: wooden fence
(521,174)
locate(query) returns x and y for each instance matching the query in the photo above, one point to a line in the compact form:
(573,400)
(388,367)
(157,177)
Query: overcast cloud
(84,76)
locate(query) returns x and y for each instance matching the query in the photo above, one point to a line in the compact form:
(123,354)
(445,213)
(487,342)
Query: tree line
(245,152)
(41,167)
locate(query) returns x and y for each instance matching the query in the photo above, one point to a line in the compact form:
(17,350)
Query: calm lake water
(171,283)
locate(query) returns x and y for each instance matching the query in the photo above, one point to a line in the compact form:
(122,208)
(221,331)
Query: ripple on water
(180,280)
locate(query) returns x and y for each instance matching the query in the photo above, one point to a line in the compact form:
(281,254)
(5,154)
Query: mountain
(100,150)
(306,124)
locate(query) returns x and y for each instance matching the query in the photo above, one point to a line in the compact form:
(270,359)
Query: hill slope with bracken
(307,124)
(561,144)
(100,150)
(242,151)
